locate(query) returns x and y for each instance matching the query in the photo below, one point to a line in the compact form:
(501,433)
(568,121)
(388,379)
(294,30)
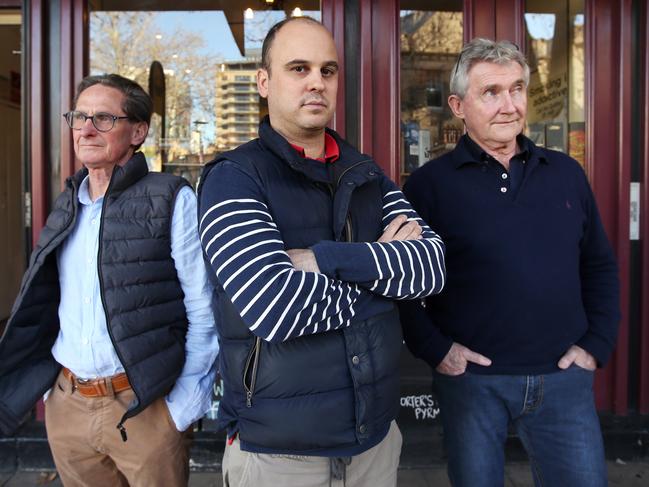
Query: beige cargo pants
(377,467)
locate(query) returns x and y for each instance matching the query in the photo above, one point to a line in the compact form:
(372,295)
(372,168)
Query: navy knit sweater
(529,272)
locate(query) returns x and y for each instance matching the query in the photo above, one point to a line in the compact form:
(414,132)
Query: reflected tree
(128,42)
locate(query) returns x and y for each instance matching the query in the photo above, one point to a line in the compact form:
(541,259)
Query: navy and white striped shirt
(279,302)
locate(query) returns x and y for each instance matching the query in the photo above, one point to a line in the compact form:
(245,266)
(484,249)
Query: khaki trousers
(377,467)
(88,449)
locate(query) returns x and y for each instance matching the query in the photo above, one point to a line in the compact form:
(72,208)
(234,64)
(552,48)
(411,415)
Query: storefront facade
(588,97)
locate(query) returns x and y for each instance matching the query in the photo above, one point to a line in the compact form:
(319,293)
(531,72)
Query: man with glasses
(531,307)
(114,314)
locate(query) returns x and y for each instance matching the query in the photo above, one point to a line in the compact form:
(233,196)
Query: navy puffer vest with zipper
(329,392)
(141,295)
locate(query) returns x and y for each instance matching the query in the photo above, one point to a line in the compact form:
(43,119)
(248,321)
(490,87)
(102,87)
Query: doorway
(12,237)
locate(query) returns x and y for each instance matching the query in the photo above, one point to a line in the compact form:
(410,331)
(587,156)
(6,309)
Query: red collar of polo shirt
(332,152)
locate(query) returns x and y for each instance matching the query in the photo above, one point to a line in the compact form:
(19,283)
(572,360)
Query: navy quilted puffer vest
(319,394)
(141,295)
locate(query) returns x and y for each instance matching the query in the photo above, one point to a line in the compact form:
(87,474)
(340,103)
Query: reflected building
(237,103)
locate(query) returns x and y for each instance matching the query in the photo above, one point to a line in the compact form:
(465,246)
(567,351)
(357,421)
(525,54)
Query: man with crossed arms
(309,244)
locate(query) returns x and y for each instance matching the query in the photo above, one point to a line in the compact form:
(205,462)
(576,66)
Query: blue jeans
(554,416)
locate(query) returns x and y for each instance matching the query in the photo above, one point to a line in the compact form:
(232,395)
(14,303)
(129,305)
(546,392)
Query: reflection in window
(555,52)
(430,42)
(207,76)
(128,43)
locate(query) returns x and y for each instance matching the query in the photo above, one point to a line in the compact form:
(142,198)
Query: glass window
(12,174)
(431,40)
(555,51)
(205,59)
(431,36)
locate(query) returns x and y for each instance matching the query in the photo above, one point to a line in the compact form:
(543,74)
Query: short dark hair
(137,106)
(270,37)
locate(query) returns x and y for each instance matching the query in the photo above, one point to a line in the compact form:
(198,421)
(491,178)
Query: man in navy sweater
(309,244)
(530,308)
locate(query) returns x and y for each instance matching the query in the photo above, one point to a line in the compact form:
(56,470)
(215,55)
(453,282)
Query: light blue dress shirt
(84,345)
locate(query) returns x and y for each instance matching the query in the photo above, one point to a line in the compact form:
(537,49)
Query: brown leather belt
(100,387)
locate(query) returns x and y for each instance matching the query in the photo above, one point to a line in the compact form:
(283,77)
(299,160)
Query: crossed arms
(278,301)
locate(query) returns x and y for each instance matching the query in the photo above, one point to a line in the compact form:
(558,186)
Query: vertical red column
(608,153)
(74,55)
(479,19)
(34,103)
(510,21)
(494,19)
(379,80)
(35,133)
(333,18)
(366,132)
(643,402)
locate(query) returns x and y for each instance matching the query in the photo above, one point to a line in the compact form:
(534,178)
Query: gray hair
(485,50)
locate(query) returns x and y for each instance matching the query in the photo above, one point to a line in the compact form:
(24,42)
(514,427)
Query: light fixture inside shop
(259,5)
(267,5)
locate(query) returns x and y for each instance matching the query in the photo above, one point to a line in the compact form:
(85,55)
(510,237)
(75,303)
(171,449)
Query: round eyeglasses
(102,121)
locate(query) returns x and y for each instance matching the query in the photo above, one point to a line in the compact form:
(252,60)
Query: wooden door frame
(333,18)
(75,51)
(643,401)
(609,103)
(380,56)
(73,27)
(34,104)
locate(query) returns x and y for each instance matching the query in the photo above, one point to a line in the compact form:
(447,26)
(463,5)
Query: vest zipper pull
(122,431)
